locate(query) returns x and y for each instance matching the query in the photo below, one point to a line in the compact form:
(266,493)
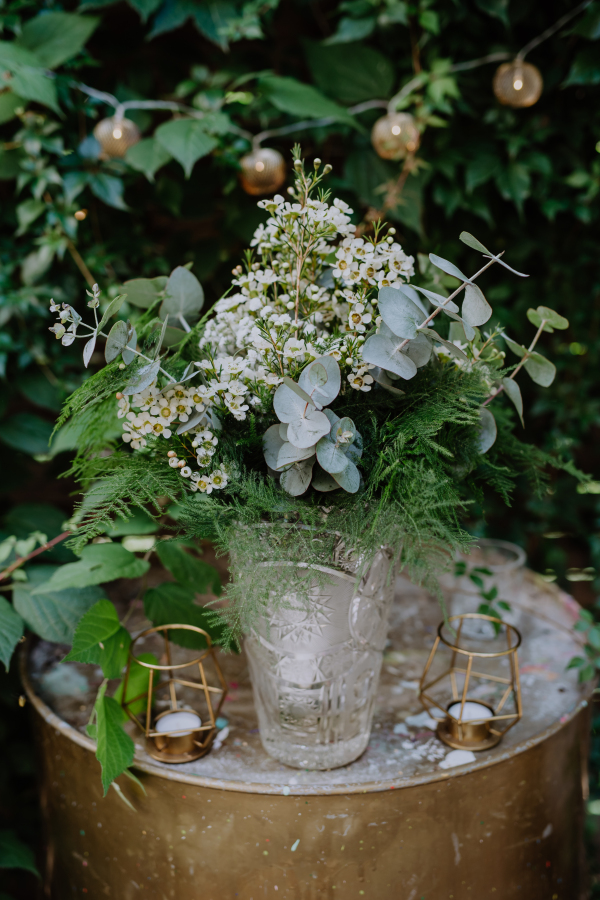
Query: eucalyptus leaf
(112,309)
(540,369)
(184,296)
(117,339)
(283,431)
(331,457)
(88,349)
(192,422)
(438,300)
(419,350)
(413,295)
(295,481)
(551,319)
(506,266)
(349,479)
(513,392)
(161,338)
(472,242)
(144,292)
(128,354)
(290,454)
(380,351)
(322,393)
(324,482)
(447,267)
(306,431)
(467,332)
(272,444)
(399,313)
(518,349)
(450,347)
(475,309)
(487,430)
(298,391)
(382,378)
(142,378)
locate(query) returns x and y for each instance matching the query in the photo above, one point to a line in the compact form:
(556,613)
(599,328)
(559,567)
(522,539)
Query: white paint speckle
(457,758)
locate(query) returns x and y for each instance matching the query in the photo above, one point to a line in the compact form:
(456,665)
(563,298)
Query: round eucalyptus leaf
(355,450)
(288,405)
(117,339)
(513,392)
(487,430)
(331,458)
(128,354)
(419,350)
(516,348)
(331,416)
(475,309)
(540,369)
(322,481)
(317,375)
(272,444)
(306,431)
(553,318)
(410,292)
(349,479)
(382,378)
(380,351)
(399,312)
(290,454)
(344,427)
(183,297)
(297,479)
(283,431)
(142,378)
(89,349)
(322,394)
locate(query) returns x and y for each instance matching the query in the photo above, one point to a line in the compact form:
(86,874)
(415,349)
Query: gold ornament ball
(395,136)
(116,136)
(518,84)
(263,171)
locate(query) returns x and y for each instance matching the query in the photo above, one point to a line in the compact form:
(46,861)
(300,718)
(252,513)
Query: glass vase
(315,661)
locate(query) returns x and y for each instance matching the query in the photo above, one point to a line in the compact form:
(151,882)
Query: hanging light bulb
(116,136)
(518,84)
(263,171)
(395,135)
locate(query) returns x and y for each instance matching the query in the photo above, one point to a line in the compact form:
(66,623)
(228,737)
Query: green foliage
(137,684)
(53,615)
(192,573)
(114,749)
(98,563)
(171,603)
(14,854)
(588,665)
(11,631)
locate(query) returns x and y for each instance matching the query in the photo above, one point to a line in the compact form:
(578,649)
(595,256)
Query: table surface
(551,696)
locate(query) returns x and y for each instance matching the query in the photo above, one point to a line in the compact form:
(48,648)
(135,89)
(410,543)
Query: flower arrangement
(325,397)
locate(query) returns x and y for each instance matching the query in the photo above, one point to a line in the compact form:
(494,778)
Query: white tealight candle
(177,721)
(471,711)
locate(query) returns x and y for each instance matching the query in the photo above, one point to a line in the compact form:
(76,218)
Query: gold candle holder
(178,735)
(468,722)
(518,84)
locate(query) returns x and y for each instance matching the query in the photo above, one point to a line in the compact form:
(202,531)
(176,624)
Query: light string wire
(121,107)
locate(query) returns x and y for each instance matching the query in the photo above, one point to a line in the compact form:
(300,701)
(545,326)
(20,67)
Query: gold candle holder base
(170,754)
(468,735)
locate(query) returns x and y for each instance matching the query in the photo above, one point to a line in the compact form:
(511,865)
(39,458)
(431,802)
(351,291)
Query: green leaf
(487,430)
(212,18)
(112,309)
(137,683)
(14,854)
(12,56)
(184,296)
(496,8)
(446,266)
(117,340)
(350,73)
(540,369)
(147,156)
(139,522)
(144,292)
(535,319)
(472,242)
(514,183)
(145,7)
(297,99)
(11,631)
(350,30)
(26,432)
(588,25)
(109,189)
(9,103)
(97,625)
(553,319)
(193,573)
(34,84)
(99,563)
(55,37)
(576,662)
(170,604)
(585,68)
(186,140)
(115,749)
(513,392)
(54,615)
(10,163)
(516,348)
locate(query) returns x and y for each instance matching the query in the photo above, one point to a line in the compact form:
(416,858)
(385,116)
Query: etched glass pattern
(315,666)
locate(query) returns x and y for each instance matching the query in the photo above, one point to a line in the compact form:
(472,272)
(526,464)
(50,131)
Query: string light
(518,84)
(81,214)
(395,136)
(263,171)
(116,135)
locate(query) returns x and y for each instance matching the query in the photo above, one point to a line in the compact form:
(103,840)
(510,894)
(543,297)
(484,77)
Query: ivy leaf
(26,432)
(147,156)
(191,572)
(352,74)
(14,854)
(172,603)
(9,104)
(184,297)
(34,84)
(28,212)
(186,140)
(118,337)
(298,99)
(513,392)
(109,189)
(11,631)
(585,68)
(514,183)
(487,430)
(350,30)
(540,369)
(55,37)
(447,267)
(144,292)
(99,563)
(52,615)
(115,749)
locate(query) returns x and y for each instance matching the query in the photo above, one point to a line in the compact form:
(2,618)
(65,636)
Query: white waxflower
(196,400)
(359,319)
(368,270)
(173,462)
(157,427)
(145,399)
(124,407)
(237,388)
(271,379)
(204,484)
(163,410)
(236,406)
(218,479)
(207,441)
(186,472)
(360,381)
(181,408)
(204,458)
(293,348)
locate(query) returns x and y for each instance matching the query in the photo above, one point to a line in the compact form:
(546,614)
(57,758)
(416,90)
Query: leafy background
(524,181)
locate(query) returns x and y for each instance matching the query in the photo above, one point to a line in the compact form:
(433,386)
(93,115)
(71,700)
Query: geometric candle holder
(178,734)
(478,698)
